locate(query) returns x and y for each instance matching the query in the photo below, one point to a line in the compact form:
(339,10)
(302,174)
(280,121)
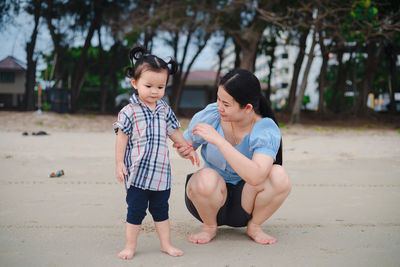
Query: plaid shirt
(147,156)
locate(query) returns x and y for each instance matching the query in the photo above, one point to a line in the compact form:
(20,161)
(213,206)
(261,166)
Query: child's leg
(158,207)
(164,234)
(132,232)
(137,200)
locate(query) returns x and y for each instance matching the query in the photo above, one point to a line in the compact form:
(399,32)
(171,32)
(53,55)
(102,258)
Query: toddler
(141,152)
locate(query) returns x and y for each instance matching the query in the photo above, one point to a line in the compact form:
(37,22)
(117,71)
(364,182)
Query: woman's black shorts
(231,213)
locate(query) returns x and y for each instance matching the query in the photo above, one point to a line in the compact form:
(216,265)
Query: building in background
(282,71)
(12,83)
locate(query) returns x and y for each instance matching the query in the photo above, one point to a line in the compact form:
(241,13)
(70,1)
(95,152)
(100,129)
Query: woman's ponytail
(266,111)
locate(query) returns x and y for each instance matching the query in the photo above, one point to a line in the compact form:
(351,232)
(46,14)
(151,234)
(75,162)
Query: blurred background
(332,59)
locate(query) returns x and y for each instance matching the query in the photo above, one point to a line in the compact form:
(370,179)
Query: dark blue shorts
(138,200)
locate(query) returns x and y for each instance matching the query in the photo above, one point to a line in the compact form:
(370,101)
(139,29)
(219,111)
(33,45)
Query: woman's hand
(208,133)
(120,171)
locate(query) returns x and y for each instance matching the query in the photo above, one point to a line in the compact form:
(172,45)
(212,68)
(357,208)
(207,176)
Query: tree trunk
(182,81)
(103,88)
(220,54)
(368,79)
(347,71)
(295,116)
(391,56)
(322,79)
(248,46)
(297,68)
(340,80)
(57,69)
(31,62)
(114,79)
(81,66)
(271,66)
(237,55)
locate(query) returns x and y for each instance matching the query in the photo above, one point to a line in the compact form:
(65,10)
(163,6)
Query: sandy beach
(343,209)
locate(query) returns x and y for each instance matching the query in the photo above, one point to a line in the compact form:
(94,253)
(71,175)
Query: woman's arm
(254,171)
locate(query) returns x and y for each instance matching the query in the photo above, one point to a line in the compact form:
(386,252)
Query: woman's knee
(280,180)
(204,182)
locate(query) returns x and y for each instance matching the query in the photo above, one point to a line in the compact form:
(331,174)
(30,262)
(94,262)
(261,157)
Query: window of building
(7,77)
(283,56)
(284,85)
(193,99)
(285,71)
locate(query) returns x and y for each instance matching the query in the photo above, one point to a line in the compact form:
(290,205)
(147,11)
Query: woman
(242,182)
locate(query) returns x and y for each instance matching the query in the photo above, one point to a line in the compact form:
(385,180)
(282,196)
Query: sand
(342,211)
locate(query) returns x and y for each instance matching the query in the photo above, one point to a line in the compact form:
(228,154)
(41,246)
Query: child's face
(151,86)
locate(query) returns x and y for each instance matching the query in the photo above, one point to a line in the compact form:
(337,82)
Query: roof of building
(11,63)
(202,77)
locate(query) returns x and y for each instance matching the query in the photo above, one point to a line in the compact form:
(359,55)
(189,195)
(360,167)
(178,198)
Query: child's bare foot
(258,235)
(205,236)
(126,254)
(172,251)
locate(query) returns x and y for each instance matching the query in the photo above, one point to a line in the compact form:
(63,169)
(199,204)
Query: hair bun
(137,52)
(174,66)
(129,72)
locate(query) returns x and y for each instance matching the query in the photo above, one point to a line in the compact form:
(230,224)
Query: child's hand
(120,171)
(183,151)
(187,152)
(194,158)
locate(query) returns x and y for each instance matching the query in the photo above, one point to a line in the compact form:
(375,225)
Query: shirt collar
(135,100)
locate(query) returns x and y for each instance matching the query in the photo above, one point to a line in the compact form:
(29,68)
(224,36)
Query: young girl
(141,154)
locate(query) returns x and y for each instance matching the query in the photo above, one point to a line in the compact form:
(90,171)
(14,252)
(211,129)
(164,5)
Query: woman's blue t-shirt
(264,138)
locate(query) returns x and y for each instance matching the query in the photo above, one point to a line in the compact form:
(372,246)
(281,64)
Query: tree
(304,17)
(295,115)
(33,7)
(7,9)
(267,47)
(241,21)
(371,24)
(192,25)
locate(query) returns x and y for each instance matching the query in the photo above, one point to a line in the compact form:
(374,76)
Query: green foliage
(283,126)
(114,62)
(46,106)
(306,99)
(361,21)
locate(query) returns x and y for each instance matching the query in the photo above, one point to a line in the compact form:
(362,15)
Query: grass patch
(283,126)
(65,116)
(318,129)
(91,116)
(39,123)
(398,131)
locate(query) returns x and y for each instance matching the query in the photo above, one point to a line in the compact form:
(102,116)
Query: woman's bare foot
(205,236)
(172,251)
(126,254)
(258,235)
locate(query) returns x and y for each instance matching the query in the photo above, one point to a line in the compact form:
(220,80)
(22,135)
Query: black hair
(245,88)
(145,61)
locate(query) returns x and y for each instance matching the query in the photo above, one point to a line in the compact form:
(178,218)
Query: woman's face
(229,109)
